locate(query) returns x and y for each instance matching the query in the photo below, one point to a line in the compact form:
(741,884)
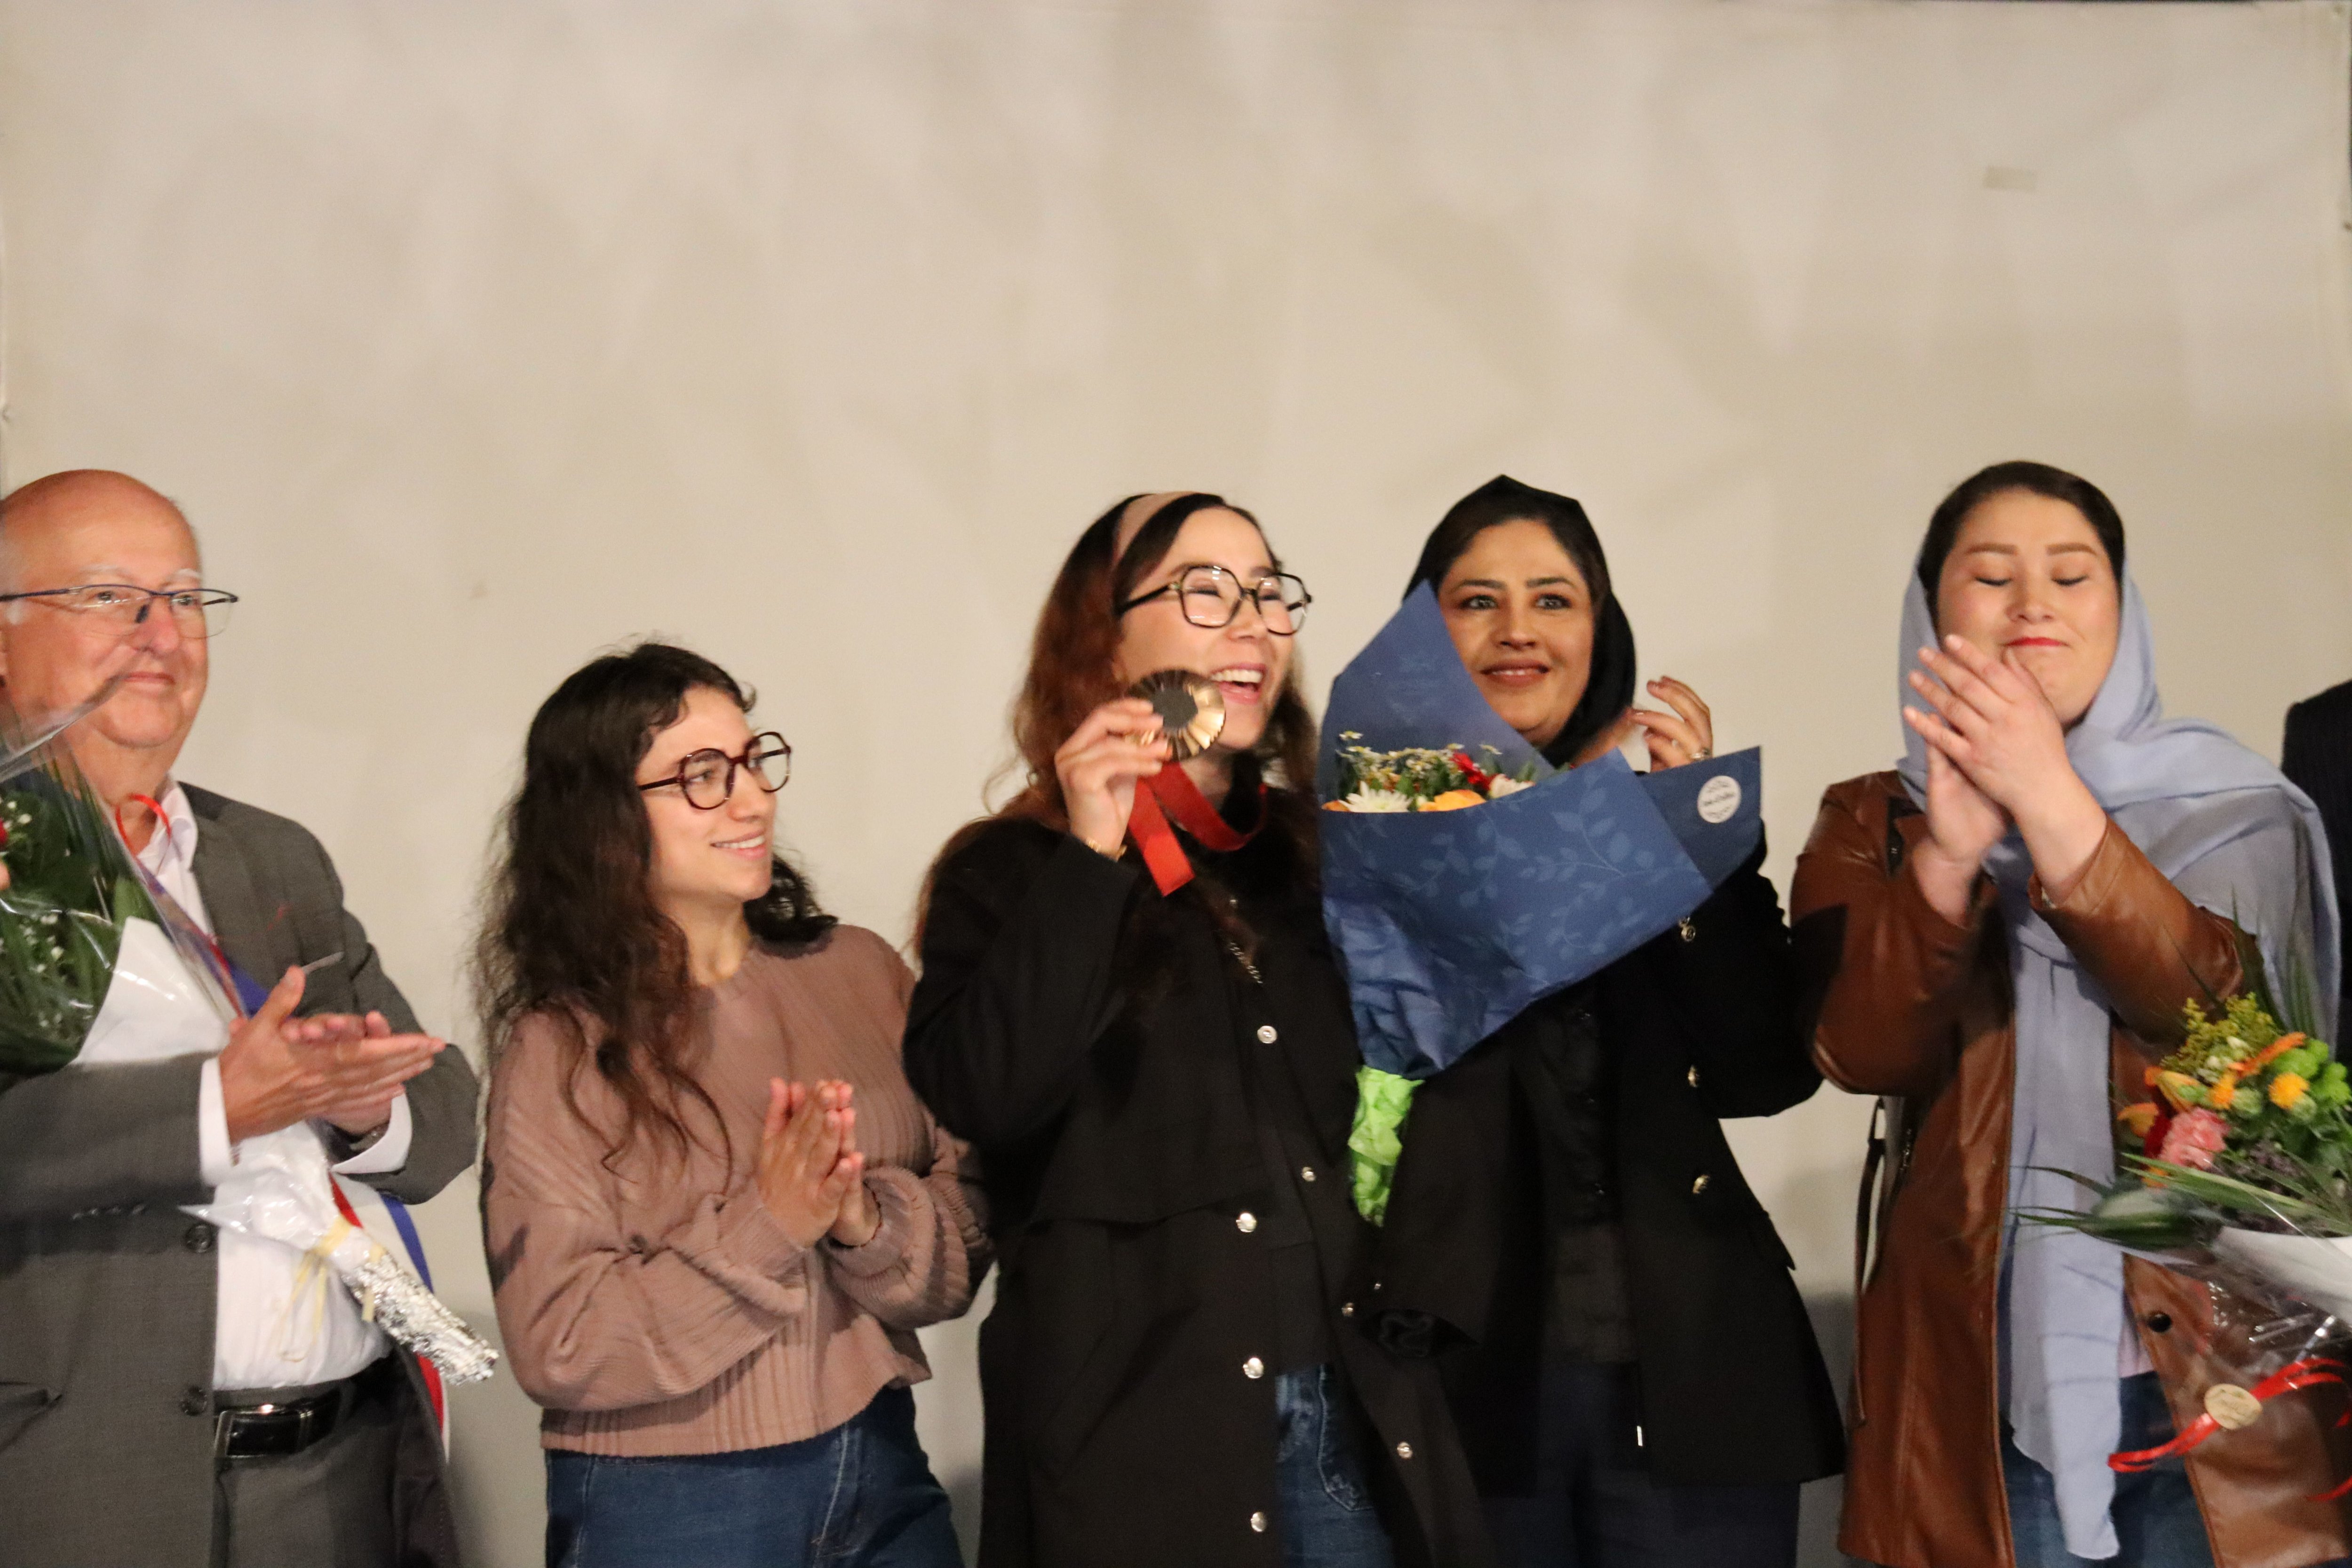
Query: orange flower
(2178,1088)
(2139,1118)
(2275,1050)
(1455,800)
(2219,1096)
(2288,1087)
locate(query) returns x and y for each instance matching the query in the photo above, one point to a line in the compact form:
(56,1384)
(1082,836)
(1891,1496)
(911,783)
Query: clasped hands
(1996,756)
(279,1069)
(811,1176)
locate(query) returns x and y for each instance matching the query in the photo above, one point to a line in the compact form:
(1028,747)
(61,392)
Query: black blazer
(1731,1382)
(2317,756)
(1086,1036)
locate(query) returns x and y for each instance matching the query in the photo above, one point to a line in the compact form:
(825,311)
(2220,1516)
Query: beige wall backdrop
(479,335)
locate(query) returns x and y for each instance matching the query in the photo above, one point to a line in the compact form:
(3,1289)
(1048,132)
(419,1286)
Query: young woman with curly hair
(716,1214)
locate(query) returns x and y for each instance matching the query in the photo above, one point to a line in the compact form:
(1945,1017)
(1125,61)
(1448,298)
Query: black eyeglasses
(1211,597)
(707,778)
(198,612)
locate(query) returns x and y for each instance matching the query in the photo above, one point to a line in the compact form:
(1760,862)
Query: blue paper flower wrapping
(1450,924)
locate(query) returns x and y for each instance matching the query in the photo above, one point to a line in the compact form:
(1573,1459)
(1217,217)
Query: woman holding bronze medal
(1127,1006)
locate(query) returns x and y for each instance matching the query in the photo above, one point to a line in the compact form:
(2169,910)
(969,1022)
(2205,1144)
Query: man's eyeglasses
(198,612)
(707,778)
(1211,597)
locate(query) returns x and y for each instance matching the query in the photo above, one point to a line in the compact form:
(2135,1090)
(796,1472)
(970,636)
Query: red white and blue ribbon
(388,1224)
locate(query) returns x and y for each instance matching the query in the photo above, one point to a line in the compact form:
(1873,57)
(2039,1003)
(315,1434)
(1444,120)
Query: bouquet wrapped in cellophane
(2237,1171)
(89,955)
(100,966)
(1464,878)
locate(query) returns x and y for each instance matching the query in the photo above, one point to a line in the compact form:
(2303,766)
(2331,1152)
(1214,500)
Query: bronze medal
(1191,710)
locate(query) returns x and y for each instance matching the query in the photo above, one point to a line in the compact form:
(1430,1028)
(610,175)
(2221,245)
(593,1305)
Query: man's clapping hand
(279,1069)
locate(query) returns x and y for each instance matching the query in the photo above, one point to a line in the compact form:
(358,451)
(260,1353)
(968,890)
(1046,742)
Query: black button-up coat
(1087,1035)
(1699,1024)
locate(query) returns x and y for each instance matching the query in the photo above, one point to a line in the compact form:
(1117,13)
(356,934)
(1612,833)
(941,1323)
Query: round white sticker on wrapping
(1718,798)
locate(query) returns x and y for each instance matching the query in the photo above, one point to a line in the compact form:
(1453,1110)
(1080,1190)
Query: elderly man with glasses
(172,1393)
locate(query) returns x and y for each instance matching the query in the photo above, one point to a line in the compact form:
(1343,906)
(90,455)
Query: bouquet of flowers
(75,901)
(1450,921)
(2244,1152)
(2237,1171)
(99,966)
(1420,778)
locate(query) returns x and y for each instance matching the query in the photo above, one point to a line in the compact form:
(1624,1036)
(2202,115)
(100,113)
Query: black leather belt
(277,1429)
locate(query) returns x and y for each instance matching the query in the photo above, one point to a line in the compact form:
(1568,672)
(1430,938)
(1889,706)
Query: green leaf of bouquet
(2312,1208)
(2131,1213)
(71,885)
(1376,1141)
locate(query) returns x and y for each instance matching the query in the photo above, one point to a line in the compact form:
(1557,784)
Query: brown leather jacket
(1908,1005)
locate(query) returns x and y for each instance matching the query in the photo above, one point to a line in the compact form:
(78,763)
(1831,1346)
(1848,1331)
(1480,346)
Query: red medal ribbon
(1170,792)
(2307,1374)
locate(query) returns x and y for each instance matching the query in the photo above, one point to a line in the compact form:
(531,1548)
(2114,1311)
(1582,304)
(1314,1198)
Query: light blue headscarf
(2236,839)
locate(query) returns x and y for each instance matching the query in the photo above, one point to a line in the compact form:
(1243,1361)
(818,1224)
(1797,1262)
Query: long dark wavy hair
(1073,670)
(571,933)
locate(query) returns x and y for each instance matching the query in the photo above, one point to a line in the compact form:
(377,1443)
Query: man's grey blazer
(107,1287)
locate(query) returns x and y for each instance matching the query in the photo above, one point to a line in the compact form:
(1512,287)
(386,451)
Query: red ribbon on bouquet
(2309,1372)
(1170,792)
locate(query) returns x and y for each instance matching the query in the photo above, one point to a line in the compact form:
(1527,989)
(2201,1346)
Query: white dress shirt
(274,1328)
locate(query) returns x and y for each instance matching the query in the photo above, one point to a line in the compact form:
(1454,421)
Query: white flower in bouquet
(1369,799)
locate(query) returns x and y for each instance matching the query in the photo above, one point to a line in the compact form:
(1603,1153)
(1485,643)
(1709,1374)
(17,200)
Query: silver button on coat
(1252,1368)
(1265,1035)
(1246,1221)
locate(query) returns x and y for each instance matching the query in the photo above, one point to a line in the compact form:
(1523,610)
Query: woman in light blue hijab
(2004,930)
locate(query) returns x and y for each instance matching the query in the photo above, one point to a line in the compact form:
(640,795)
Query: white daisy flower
(1377,800)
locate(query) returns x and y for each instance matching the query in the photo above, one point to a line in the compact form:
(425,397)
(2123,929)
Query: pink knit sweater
(655,1307)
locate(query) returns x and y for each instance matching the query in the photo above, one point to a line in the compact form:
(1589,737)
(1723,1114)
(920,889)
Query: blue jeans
(2154,1512)
(860,1496)
(1325,1511)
